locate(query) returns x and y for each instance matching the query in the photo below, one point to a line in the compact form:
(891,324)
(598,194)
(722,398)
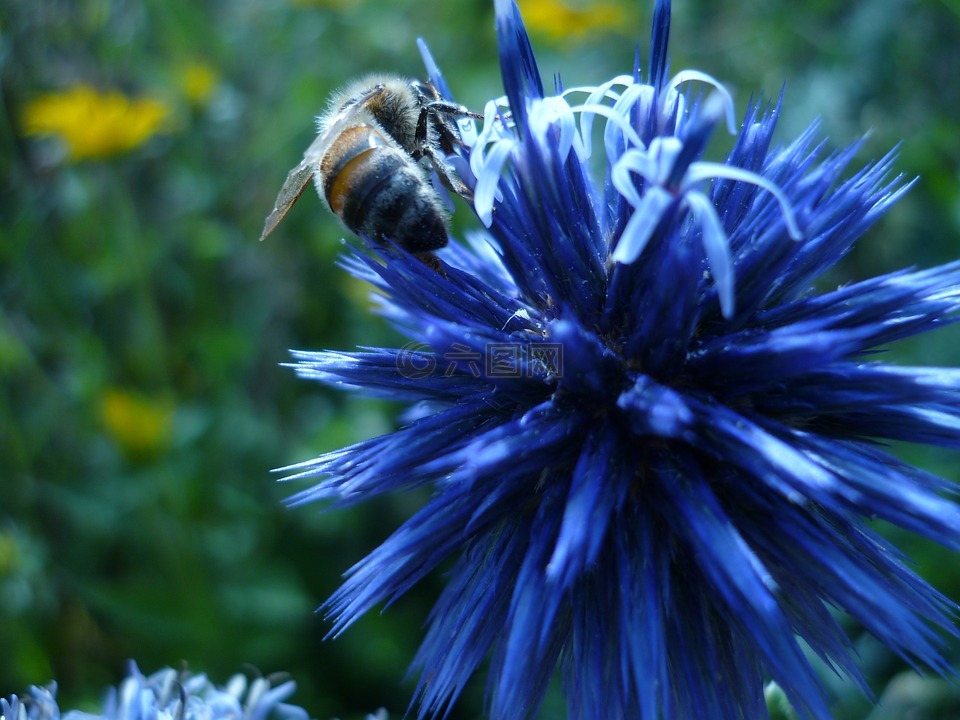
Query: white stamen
(630,97)
(600,91)
(639,229)
(596,96)
(696,76)
(611,115)
(699,171)
(655,165)
(627,157)
(488,177)
(716,248)
(554,111)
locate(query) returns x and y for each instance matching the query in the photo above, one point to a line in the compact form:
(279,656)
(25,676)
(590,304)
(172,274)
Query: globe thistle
(654,445)
(167,694)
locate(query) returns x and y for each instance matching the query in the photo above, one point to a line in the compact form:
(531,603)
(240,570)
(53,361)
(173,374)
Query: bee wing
(298,178)
(293,187)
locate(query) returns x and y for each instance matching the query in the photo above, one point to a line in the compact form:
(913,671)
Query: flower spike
(521,78)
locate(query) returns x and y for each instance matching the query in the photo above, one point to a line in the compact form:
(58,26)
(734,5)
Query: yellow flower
(95,124)
(561,21)
(198,81)
(139,424)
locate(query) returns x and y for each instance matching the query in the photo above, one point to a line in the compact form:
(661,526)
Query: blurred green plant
(141,324)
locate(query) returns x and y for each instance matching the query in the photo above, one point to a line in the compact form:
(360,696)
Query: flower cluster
(95,124)
(168,693)
(140,424)
(563,21)
(670,521)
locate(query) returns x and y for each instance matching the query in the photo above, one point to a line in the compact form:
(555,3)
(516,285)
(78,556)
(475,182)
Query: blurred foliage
(141,324)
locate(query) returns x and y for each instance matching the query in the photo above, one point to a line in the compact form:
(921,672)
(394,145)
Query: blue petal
(433,70)
(598,488)
(468,618)
(744,587)
(643,573)
(518,682)
(518,66)
(659,41)
(913,404)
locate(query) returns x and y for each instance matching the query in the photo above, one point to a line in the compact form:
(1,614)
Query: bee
(369,163)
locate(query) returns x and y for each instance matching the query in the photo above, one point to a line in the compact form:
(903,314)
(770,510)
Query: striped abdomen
(377,189)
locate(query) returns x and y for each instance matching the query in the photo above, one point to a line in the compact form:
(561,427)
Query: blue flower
(650,439)
(167,694)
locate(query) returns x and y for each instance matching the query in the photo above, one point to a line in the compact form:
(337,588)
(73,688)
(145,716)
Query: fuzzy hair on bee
(369,163)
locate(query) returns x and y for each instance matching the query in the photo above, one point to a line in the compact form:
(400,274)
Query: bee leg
(432,262)
(447,174)
(451,110)
(420,137)
(441,114)
(437,114)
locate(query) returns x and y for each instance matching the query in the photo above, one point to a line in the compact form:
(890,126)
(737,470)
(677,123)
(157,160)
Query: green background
(141,276)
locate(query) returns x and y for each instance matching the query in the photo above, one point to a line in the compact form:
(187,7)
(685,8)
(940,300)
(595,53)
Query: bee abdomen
(378,190)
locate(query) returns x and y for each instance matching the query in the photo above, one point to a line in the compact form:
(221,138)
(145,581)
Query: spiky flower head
(649,436)
(167,694)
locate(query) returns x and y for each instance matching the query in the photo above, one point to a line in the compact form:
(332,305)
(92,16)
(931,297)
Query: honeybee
(368,163)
